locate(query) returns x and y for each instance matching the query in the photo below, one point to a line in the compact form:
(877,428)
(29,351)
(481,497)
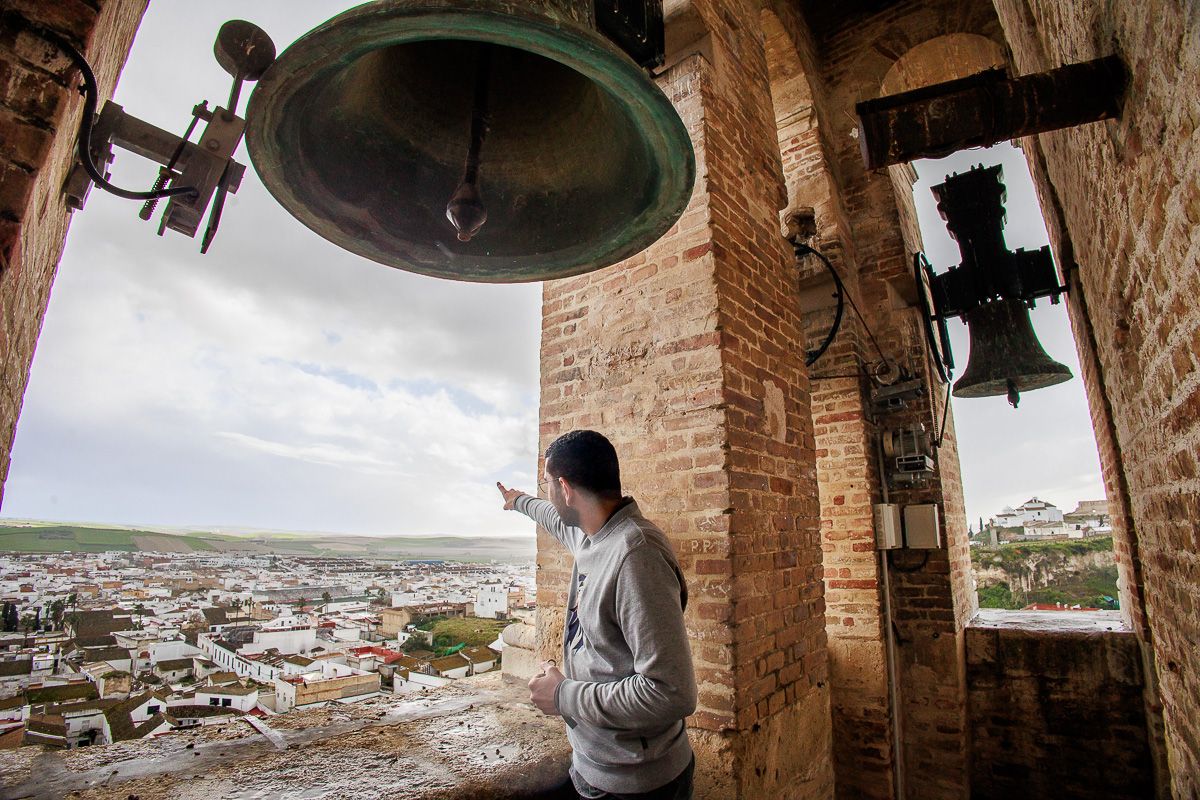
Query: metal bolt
(212,144)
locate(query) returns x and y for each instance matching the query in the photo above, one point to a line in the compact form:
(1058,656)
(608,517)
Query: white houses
(285,634)
(242,698)
(491,600)
(333,683)
(1032,510)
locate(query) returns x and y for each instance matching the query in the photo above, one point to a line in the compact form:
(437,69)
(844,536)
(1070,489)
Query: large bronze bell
(480,140)
(1006,356)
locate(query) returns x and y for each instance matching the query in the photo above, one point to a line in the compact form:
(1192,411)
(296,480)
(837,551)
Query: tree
(237,607)
(301,602)
(29,622)
(56,612)
(327,597)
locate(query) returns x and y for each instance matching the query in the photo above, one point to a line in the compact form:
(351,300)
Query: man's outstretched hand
(509,495)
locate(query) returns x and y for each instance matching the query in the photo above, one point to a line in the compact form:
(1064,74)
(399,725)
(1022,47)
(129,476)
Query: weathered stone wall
(37,103)
(1123,198)
(687,357)
(842,432)
(1057,713)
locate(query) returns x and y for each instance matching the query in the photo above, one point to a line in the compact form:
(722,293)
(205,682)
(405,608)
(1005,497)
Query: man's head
(587,463)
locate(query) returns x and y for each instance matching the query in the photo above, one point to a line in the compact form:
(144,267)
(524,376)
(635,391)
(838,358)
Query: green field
(466,630)
(36,537)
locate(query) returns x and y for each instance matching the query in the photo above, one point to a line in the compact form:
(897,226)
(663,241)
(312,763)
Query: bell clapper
(465,209)
(1014,396)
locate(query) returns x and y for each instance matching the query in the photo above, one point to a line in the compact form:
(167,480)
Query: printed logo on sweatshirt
(574,633)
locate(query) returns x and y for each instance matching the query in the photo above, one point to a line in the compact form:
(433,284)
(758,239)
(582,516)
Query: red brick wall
(39,115)
(1126,197)
(932,595)
(846,476)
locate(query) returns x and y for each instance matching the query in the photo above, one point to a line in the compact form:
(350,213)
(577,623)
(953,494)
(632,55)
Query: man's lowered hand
(543,686)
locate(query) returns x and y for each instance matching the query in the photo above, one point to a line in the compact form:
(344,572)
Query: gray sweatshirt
(629,680)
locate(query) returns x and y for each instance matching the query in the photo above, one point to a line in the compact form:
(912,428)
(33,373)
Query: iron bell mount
(992,289)
(191,175)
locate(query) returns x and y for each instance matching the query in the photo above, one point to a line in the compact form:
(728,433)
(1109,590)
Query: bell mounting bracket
(635,26)
(193,175)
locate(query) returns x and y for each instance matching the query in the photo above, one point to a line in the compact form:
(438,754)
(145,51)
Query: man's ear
(568,491)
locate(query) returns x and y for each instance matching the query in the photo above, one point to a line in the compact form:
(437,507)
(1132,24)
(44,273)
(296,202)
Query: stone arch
(943,58)
(806,169)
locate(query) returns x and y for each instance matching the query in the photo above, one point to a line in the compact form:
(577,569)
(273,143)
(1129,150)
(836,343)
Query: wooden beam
(983,109)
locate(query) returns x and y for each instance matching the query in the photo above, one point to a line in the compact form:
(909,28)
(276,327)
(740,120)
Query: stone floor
(478,738)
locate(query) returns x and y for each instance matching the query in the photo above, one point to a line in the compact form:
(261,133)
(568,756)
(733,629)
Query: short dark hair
(588,460)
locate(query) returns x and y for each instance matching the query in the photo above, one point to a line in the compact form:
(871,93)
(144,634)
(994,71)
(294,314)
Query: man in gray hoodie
(627,681)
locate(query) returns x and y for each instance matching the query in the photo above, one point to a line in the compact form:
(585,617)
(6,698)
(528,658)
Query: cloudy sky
(277,382)
(281,383)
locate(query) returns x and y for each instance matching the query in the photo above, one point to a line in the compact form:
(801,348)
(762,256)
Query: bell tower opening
(1044,452)
(1041,534)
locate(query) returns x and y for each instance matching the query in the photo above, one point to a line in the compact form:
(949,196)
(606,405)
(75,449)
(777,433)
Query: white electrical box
(888,534)
(921,529)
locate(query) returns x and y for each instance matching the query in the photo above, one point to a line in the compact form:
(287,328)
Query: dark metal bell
(560,153)
(1006,356)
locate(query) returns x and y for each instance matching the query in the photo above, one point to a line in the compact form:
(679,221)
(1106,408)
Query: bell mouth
(361,128)
(1006,357)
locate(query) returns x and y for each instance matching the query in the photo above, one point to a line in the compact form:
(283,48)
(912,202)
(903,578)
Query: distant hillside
(1072,571)
(36,537)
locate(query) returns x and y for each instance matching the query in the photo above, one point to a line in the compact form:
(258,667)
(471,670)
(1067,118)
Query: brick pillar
(843,432)
(39,120)
(690,358)
(931,593)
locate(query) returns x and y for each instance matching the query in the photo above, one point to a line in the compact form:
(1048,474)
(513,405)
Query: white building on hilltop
(1032,510)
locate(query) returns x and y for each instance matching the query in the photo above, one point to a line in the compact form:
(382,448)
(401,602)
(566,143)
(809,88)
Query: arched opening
(1040,532)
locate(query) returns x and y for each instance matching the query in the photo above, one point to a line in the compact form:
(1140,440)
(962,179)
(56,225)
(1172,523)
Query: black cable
(849,297)
(91,95)
(811,357)
(917,568)
(945,416)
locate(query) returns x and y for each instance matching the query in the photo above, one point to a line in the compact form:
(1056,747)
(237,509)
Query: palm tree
(56,612)
(302,602)
(237,607)
(327,597)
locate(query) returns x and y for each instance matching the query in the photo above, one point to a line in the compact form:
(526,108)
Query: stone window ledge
(478,738)
(1050,621)
(1090,651)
